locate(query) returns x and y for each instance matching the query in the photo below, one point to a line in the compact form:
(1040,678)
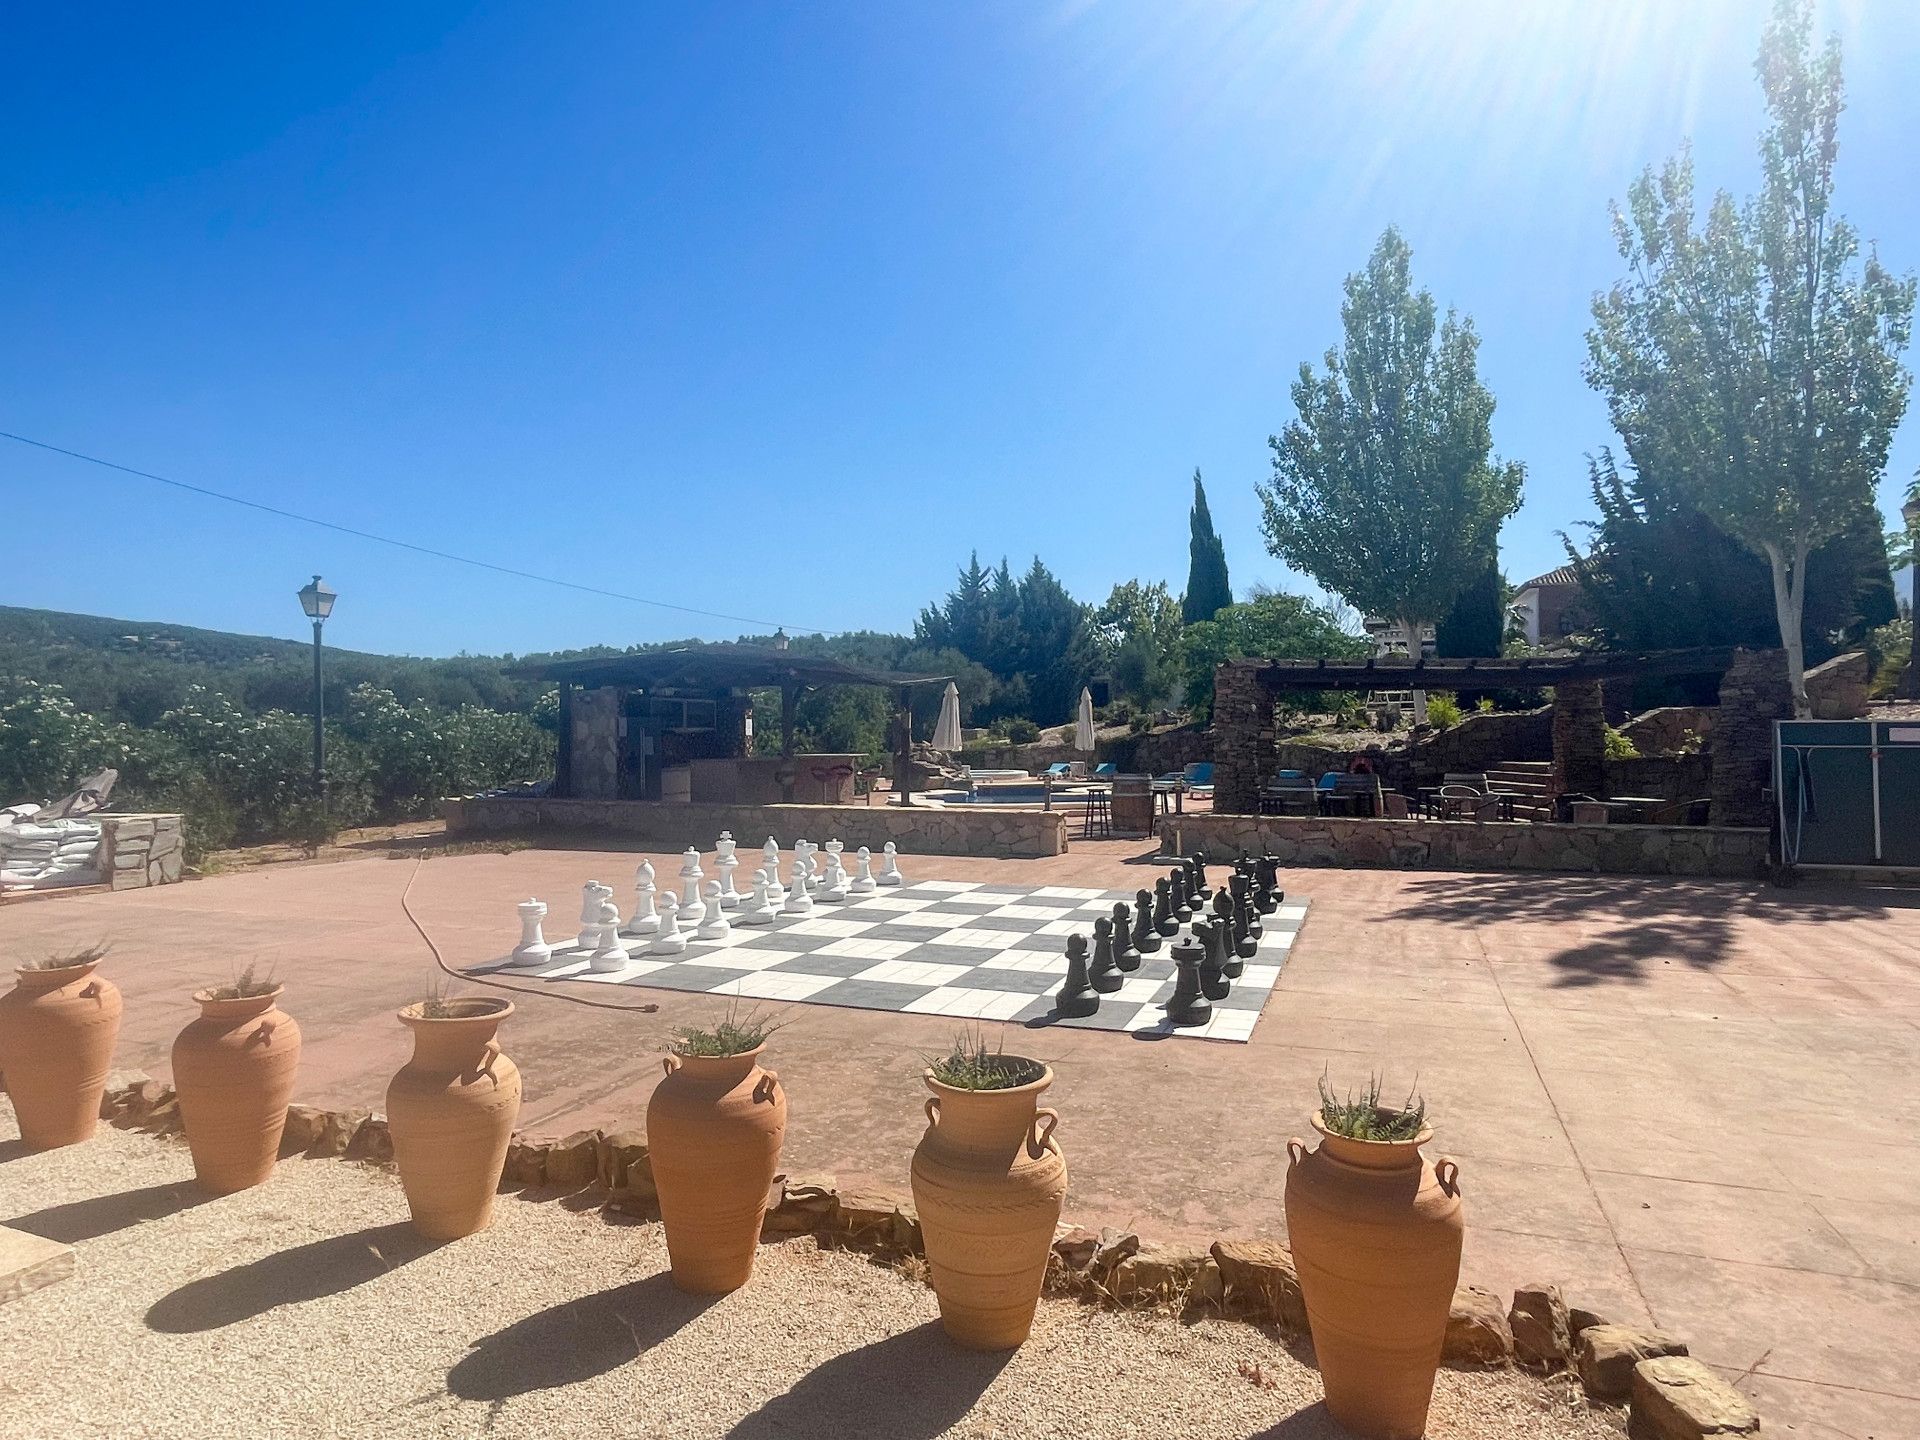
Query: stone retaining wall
(994,831)
(141,850)
(1472,845)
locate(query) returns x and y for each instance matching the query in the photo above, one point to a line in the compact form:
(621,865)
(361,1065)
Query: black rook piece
(1104,975)
(1187,1005)
(1077,997)
(1146,940)
(1163,917)
(1213,970)
(1124,954)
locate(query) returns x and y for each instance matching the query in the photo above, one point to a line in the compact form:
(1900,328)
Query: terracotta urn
(57,1029)
(988,1182)
(450,1111)
(1376,1234)
(714,1128)
(233,1069)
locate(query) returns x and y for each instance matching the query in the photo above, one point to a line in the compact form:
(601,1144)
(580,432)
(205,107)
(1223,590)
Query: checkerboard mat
(940,947)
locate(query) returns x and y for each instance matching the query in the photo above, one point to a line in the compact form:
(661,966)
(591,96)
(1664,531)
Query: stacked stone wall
(1753,695)
(141,850)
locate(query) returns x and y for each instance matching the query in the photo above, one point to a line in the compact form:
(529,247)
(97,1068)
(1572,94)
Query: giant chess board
(940,947)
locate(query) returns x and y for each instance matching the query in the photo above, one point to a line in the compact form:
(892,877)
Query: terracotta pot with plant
(450,1111)
(988,1181)
(57,1029)
(233,1069)
(715,1124)
(1376,1234)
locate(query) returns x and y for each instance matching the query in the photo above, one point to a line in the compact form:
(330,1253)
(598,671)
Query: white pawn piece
(591,894)
(692,908)
(799,899)
(533,948)
(715,926)
(760,909)
(669,940)
(863,881)
(726,862)
(890,869)
(645,921)
(833,883)
(776,892)
(609,954)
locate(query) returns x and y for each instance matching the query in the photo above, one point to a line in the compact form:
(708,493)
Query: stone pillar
(1753,694)
(1579,739)
(1245,752)
(594,756)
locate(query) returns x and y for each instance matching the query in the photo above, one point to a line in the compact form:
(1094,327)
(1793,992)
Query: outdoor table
(1637,809)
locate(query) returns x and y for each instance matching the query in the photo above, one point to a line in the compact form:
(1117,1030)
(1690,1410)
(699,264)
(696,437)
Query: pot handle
(262,1033)
(669,1064)
(1447,1171)
(1297,1149)
(933,1110)
(487,1057)
(1044,1121)
(769,1082)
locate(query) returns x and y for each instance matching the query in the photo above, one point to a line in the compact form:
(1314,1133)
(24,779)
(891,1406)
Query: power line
(408,544)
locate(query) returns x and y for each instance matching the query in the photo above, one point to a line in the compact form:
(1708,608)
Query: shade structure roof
(717,667)
(1520,672)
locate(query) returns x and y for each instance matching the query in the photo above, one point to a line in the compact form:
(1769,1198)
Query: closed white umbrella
(1083,722)
(946,731)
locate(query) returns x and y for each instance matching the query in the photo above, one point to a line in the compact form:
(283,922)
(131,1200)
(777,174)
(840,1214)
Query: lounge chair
(1199,777)
(1106,770)
(1059,770)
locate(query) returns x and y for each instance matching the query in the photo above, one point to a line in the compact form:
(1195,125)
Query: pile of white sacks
(42,854)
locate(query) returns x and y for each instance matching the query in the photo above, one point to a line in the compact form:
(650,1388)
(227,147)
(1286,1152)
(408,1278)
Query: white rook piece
(669,941)
(760,909)
(692,909)
(715,926)
(644,921)
(533,948)
(863,881)
(890,869)
(725,861)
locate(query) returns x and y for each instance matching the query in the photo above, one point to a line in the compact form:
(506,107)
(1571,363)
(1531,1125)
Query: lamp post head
(780,639)
(317,599)
(1910,512)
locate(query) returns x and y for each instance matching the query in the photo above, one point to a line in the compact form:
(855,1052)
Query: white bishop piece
(533,948)
(645,921)
(692,908)
(669,940)
(760,909)
(890,868)
(863,881)
(714,926)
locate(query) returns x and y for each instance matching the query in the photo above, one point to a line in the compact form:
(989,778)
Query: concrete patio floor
(1689,1103)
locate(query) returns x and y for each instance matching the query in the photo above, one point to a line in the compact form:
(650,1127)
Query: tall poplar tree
(1208,591)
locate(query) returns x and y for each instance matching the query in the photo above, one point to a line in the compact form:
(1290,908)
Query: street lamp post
(317,600)
(1910,512)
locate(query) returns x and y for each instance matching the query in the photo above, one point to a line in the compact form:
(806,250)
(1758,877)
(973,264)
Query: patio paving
(1690,1103)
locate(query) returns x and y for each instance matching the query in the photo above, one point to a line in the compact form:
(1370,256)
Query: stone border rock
(1250,1280)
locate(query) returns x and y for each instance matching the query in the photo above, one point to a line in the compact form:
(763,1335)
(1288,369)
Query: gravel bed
(307,1307)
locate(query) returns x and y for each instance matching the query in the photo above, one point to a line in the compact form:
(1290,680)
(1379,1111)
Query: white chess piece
(799,900)
(834,849)
(803,868)
(760,909)
(609,954)
(833,884)
(645,921)
(770,853)
(669,940)
(890,868)
(533,948)
(776,892)
(714,926)
(591,894)
(692,908)
(863,881)
(726,862)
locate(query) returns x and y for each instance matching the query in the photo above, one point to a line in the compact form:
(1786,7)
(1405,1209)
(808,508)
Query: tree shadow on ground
(1655,919)
(99,1215)
(574,1341)
(910,1386)
(1311,1423)
(287,1277)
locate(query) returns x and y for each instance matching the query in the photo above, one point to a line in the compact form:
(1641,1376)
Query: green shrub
(970,1065)
(1443,712)
(1620,747)
(1020,730)
(1363,1117)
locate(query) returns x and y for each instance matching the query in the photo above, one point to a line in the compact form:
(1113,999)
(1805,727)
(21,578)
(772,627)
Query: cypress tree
(1208,592)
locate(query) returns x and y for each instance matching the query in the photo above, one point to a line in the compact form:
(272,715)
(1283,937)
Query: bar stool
(1096,820)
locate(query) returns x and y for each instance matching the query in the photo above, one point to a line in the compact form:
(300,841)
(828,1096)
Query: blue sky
(779,311)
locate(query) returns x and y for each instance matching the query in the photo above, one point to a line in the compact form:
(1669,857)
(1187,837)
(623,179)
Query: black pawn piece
(1188,1006)
(1077,996)
(1182,897)
(1105,974)
(1213,968)
(1225,920)
(1246,943)
(1124,955)
(1146,940)
(1164,920)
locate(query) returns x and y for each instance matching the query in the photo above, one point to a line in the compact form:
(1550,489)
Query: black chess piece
(1214,983)
(1146,940)
(1246,944)
(1182,898)
(1077,996)
(1201,886)
(1187,1005)
(1164,921)
(1267,894)
(1104,974)
(1124,954)
(1226,920)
